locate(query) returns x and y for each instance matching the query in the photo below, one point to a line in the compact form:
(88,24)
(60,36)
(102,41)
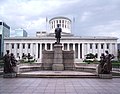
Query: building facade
(81,45)
(4,32)
(20,32)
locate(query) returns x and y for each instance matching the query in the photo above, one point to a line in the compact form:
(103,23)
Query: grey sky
(92,17)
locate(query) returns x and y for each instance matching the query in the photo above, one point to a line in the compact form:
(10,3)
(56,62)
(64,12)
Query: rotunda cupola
(64,22)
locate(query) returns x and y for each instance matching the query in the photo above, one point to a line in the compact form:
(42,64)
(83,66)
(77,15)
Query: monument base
(105,76)
(9,75)
(57,67)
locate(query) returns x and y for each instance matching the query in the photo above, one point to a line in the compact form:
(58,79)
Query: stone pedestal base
(57,67)
(10,75)
(105,76)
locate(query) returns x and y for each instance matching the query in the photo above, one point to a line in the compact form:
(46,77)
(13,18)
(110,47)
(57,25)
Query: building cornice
(63,38)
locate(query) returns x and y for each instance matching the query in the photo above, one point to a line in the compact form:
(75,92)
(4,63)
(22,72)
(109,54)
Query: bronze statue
(58,31)
(108,63)
(13,62)
(7,63)
(105,63)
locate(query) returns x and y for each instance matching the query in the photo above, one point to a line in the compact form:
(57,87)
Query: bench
(28,67)
(85,67)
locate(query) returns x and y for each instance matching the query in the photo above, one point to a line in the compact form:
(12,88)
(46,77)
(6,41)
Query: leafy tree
(118,55)
(90,56)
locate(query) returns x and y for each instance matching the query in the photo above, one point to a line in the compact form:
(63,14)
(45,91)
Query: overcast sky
(92,17)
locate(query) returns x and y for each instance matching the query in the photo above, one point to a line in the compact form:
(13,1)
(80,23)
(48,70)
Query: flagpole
(73,24)
(46,23)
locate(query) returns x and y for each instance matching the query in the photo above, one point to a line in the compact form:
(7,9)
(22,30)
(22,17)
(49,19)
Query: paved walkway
(59,86)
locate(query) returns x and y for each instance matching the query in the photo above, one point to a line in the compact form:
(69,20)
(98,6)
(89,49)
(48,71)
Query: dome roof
(60,17)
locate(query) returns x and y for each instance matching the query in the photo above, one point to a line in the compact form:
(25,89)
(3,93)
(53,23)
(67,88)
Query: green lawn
(116,64)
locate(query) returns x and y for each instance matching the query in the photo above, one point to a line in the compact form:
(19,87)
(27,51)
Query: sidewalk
(59,86)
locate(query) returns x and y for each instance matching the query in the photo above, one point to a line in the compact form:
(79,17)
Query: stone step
(57,74)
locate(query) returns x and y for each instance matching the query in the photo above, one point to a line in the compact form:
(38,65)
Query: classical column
(51,46)
(99,50)
(10,47)
(116,51)
(40,51)
(68,46)
(15,50)
(74,46)
(78,50)
(26,48)
(45,46)
(31,49)
(36,56)
(64,23)
(83,53)
(62,46)
(105,47)
(110,51)
(94,49)
(74,49)
(5,48)
(20,51)
(88,48)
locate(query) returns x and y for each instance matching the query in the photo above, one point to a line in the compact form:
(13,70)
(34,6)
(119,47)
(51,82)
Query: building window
(0,23)
(52,25)
(65,46)
(48,46)
(71,46)
(90,46)
(59,21)
(107,46)
(18,46)
(62,21)
(23,46)
(12,46)
(29,46)
(68,24)
(96,46)
(43,46)
(102,46)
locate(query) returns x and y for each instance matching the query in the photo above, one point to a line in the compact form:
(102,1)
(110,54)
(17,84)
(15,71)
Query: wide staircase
(81,70)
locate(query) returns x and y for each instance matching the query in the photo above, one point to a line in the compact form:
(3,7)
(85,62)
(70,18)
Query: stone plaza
(59,86)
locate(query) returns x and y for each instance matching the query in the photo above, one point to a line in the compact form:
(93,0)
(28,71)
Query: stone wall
(68,60)
(48,59)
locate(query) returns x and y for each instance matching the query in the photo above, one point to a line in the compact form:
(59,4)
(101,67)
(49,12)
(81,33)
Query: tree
(90,56)
(118,55)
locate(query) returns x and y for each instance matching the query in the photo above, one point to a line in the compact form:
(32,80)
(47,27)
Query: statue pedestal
(58,67)
(9,75)
(58,58)
(105,76)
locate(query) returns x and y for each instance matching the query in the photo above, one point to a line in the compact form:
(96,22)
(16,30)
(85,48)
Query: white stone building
(45,40)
